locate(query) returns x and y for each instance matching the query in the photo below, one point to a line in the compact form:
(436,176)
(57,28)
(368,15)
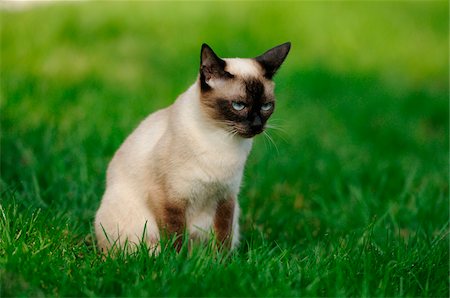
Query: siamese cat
(180,171)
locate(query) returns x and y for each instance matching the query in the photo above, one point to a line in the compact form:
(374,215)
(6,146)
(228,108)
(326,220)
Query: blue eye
(267,106)
(238,106)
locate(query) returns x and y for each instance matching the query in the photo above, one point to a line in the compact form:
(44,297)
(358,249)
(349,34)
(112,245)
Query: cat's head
(238,94)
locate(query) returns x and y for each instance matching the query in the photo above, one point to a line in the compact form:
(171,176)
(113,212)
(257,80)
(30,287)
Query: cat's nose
(256,124)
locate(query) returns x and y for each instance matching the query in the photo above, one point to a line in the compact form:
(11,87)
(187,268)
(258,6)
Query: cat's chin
(249,134)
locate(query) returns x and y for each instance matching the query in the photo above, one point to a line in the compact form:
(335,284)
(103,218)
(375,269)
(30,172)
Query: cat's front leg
(175,222)
(223,221)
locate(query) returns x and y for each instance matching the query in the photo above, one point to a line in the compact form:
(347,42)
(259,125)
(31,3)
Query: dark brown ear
(273,58)
(211,66)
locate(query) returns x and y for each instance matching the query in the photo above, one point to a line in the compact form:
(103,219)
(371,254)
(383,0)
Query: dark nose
(256,124)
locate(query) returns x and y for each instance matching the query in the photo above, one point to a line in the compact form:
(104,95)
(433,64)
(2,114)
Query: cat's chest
(220,164)
(212,172)
(204,185)
(216,170)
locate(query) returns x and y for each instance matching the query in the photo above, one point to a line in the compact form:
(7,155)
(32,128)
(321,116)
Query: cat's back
(132,155)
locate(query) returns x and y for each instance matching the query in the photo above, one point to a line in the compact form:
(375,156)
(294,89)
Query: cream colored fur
(203,162)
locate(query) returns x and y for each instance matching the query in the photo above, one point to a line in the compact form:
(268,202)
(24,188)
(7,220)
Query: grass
(351,200)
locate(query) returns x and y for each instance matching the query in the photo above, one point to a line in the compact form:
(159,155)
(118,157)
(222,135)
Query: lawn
(350,199)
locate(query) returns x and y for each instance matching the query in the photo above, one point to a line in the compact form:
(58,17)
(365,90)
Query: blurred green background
(361,138)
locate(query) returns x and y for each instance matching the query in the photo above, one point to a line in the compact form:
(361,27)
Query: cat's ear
(211,67)
(273,58)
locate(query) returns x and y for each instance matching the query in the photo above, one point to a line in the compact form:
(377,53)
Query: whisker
(281,132)
(271,141)
(276,121)
(266,142)
(230,130)
(231,133)
(271,125)
(235,132)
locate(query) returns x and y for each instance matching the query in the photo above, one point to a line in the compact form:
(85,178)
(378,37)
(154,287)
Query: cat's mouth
(249,132)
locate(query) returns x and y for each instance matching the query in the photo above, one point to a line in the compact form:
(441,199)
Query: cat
(180,171)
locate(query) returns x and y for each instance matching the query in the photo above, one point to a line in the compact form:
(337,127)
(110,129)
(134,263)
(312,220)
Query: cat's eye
(237,105)
(267,106)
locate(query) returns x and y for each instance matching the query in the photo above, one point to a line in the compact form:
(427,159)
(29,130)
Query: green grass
(352,200)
